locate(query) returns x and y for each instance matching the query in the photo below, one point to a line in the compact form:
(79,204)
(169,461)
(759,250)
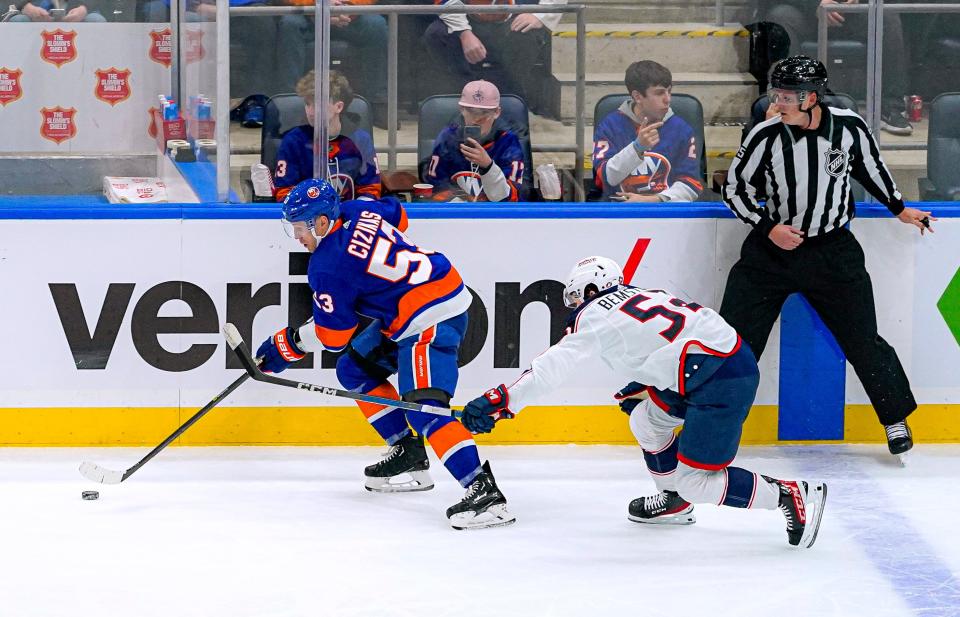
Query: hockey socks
(663,463)
(454,446)
(731,486)
(389,422)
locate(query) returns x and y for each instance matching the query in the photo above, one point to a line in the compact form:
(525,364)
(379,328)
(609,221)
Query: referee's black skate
(664,508)
(899,440)
(403,468)
(802,505)
(483,505)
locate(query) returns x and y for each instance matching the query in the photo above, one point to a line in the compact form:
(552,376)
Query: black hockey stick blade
(96,473)
(236,343)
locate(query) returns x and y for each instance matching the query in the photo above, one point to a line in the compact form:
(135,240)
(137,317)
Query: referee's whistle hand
(917,218)
(786,237)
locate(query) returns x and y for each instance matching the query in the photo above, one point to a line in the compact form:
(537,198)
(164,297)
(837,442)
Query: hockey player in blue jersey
(362,264)
(488,168)
(700,376)
(643,152)
(354,170)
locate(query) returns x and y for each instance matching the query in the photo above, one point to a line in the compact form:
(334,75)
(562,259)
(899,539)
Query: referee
(801,161)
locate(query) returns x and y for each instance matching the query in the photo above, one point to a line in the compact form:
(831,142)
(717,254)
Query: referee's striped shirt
(805,175)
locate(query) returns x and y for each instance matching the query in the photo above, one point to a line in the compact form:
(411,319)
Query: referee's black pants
(829,271)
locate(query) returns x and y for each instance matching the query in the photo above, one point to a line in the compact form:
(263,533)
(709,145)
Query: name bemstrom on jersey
(611,300)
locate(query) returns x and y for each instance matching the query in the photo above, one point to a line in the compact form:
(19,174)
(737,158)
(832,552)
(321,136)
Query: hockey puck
(90,495)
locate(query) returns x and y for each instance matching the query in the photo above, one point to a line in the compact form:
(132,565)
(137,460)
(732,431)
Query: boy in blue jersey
(362,264)
(354,170)
(490,168)
(643,152)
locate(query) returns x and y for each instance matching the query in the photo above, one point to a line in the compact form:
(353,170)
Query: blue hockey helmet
(310,199)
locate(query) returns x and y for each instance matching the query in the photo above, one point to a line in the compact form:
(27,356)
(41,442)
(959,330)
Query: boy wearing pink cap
(488,168)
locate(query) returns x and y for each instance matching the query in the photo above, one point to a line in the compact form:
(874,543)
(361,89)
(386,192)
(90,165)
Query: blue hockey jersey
(673,160)
(367,266)
(452,175)
(354,170)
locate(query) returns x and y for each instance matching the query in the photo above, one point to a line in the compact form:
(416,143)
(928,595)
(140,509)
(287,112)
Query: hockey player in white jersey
(687,367)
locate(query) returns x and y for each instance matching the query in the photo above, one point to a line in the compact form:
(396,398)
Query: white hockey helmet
(591,274)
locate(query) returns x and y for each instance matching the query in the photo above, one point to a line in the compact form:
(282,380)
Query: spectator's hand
(473,49)
(526,22)
(475,153)
(648,136)
(207,11)
(340,21)
(786,237)
(834,18)
(912,216)
(35,13)
(637,198)
(76,14)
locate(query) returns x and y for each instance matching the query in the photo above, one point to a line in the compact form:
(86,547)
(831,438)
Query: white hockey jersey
(644,335)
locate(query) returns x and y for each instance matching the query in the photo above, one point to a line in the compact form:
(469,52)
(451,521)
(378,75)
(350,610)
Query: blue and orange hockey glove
(630,396)
(480,414)
(279,351)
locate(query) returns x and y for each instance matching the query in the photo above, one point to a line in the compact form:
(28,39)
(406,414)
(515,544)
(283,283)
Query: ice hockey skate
(802,505)
(899,440)
(482,506)
(403,468)
(664,508)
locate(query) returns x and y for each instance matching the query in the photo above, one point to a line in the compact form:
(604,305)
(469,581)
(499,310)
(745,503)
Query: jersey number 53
(677,320)
(408,260)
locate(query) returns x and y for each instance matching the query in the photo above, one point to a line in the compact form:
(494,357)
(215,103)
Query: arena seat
(438,112)
(943,150)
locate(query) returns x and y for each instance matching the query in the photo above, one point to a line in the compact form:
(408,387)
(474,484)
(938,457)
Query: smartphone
(57,14)
(471,131)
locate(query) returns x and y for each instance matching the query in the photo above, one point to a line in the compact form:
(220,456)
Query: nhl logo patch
(836,163)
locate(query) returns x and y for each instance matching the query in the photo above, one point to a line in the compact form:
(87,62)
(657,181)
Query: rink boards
(112,325)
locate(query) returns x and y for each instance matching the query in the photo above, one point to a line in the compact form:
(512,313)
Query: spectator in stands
(40,10)
(486,168)
(799,19)
(462,44)
(354,170)
(367,36)
(643,152)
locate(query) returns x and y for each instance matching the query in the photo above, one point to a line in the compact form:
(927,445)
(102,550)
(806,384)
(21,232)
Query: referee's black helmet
(800,73)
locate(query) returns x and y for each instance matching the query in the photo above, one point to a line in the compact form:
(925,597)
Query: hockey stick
(96,473)
(240,348)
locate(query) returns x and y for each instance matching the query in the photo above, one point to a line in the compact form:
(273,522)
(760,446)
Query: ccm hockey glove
(279,351)
(630,396)
(482,413)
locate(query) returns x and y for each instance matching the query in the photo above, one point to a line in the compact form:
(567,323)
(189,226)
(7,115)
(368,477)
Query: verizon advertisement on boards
(128,312)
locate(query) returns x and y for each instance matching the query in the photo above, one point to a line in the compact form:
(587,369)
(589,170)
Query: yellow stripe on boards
(345,426)
(626,34)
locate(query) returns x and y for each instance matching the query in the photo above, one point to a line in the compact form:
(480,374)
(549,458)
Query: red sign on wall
(10,89)
(195,51)
(161,46)
(58,47)
(59,124)
(113,85)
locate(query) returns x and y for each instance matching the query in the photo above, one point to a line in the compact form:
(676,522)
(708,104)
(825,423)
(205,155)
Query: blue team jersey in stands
(673,159)
(367,266)
(354,170)
(453,175)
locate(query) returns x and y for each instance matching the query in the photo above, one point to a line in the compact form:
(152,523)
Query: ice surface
(272,532)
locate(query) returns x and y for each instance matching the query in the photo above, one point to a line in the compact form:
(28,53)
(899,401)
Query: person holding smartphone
(480,158)
(45,10)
